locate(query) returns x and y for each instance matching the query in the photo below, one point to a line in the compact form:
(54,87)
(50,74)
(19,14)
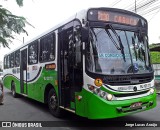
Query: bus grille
(129,80)
(130,94)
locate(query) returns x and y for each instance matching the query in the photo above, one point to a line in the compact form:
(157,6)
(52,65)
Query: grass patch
(155,57)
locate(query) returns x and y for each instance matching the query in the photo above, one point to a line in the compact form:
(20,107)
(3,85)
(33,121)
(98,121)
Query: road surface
(25,109)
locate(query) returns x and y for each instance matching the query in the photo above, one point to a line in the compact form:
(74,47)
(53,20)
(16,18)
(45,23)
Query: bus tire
(53,104)
(14,94)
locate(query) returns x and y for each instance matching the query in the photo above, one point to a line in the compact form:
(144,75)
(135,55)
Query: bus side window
(47,48)
(17,58)
(8,62)
(33,53)
(5,62)
(12,60)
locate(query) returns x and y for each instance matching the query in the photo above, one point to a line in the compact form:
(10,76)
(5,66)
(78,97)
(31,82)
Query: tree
(19,2)
(11,24)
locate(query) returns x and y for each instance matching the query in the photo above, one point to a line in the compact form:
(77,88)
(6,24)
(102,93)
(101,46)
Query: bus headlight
(109,97)
(91,87)
(97,91)
(100,93)
(103,94)
(151,91)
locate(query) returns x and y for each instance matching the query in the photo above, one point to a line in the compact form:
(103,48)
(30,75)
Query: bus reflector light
(98,82)
(56,82)
(151,91)
(79,97)
(50,66)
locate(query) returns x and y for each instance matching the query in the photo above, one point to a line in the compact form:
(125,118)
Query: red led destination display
(120,17)
(116,17)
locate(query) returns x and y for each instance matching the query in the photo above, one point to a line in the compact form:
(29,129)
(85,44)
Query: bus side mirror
(84,34)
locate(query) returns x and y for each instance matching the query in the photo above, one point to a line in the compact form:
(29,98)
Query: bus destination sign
(117,18)
(114,16)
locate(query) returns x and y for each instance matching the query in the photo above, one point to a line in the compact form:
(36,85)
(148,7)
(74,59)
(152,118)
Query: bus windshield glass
(117,52)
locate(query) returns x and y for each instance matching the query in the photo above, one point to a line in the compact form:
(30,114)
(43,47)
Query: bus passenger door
(65,73)
(23,71)
(68,71)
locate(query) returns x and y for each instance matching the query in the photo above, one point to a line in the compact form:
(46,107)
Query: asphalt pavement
(25,109)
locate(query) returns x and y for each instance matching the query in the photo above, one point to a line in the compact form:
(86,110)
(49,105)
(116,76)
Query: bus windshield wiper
(133,43)
(120,47)
(110,36)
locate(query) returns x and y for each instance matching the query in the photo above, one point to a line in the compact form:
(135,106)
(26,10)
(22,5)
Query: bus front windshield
(117,52)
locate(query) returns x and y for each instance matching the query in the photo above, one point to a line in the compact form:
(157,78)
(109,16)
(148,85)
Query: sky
(44,14)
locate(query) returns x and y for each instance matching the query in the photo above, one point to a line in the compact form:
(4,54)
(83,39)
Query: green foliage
(155,57)
(19,2)
(153,45)
(11,24)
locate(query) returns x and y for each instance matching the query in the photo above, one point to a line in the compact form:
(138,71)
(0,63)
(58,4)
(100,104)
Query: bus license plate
(136,105)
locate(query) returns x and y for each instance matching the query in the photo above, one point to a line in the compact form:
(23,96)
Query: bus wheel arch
(47,89)
(51,98)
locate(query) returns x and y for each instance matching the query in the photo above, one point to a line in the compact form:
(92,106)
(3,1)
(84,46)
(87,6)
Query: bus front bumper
(99,108)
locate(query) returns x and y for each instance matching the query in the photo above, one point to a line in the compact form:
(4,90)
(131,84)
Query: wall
(156,68)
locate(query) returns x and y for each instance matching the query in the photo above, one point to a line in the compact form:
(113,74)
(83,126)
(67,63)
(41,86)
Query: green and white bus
(95,64)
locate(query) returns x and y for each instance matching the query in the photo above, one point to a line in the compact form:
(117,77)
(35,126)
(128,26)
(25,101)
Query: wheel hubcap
(53,102)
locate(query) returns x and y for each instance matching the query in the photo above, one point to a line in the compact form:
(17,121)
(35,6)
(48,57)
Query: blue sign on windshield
(136,67)
(112,55)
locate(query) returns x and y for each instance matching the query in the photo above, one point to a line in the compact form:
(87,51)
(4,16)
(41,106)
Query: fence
(156,68)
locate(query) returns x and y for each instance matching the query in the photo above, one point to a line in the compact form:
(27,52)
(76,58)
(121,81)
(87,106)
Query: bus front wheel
(53,104)
(14,94)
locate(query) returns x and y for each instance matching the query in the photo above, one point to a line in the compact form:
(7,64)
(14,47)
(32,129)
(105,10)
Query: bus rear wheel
(53,104)
(14,94)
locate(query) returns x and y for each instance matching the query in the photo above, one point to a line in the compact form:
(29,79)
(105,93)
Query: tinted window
(12,60)
(47,48)
(7,61)
(17,58)
(33,53)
